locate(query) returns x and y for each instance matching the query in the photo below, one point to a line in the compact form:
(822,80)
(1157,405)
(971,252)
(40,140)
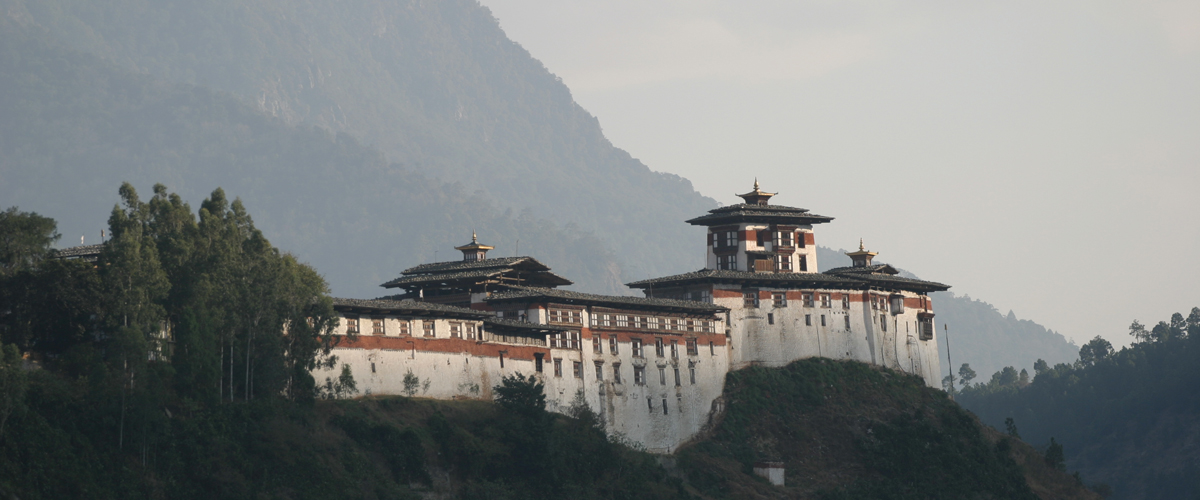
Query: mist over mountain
(434,86)
(72,127)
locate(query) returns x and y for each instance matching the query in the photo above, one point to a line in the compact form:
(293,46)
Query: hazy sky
(1041,156)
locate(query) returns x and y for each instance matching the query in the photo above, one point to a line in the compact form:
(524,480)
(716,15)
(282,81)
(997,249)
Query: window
(883,321)
(566,340)
(674,348)
(641,322)
(925,326)
(622,321)
(847,322)
(807,320)
(612,344)
(404,331)
(662,375)
(658,346)
(372,367)
(650,404)
(455,330)
(779,299)
(616,373)
(637,347)
(471,331)
(537,362)
(596,346)
(557,367)
(653,323)
(692,325)
(783,238)
(692,373)
(427,326)
(822,320)
(351,324)
(808,299)
(803,262)
(577,369)
(691,347)
(599,369)
(783,262)
(639,375)
(801,239)
(664,406)
(897,304)
(874,302)
(826,300)
(845,301)
(726,239)
(728,262)
(750,299)
(565,316)
(770,318)
(677,384)
(712,351)
(376,326)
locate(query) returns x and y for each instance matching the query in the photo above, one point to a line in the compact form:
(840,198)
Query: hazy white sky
(1042,156)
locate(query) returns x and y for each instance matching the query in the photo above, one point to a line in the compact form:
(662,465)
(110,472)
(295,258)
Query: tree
(13,384)
(1040,367)
(25,239)
(1094,351)
(1010,427)
(523,395)
(1006,377)
(966,374)
(1023,379)
(1054,455)
(1139,333)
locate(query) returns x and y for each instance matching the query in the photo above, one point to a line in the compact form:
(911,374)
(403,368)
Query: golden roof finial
(756,183)
(474,239)
(860,245)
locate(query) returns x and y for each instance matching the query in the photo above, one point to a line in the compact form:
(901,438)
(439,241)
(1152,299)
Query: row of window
(782,263)
(652,323)
(639,372)
(728,239)
(779,299)
(458,329)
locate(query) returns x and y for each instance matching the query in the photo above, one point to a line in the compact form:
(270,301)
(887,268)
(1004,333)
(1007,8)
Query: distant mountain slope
(979,334)
(1129,418)
(72,127)
(436,86)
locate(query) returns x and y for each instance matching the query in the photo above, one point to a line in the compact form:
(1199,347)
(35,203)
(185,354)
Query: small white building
(652,367)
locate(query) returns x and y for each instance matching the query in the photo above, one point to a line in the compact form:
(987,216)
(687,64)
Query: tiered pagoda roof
(468,274)
(747,212)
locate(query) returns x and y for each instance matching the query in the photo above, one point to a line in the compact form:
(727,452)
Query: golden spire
(860,245)
(474,239)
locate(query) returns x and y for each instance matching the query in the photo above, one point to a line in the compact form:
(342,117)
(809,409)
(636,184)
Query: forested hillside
(434,86)
(980,335)
(1130,418)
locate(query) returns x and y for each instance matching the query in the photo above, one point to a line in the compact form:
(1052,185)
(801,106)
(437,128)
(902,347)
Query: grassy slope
(849,430)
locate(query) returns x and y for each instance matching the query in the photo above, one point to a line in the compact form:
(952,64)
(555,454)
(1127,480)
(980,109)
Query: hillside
(72,127)
(979,334)
(434,86)
(844,430)
(1126,418)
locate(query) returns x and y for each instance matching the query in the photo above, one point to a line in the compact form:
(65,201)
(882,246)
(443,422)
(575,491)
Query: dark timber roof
(89,253)
(743,212)
(532,294)
(406,307)
(512,324)
(455,273)
(830,279)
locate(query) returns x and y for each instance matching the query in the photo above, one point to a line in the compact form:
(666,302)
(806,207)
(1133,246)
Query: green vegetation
(1101,414)
(850,430)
